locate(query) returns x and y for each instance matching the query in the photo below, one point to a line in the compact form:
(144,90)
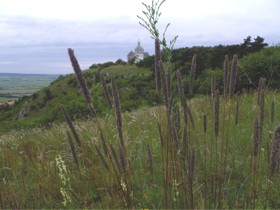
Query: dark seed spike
(157,63)
(105,90)
(225,76)
(117,106)
(149,159)
(213,84)
(216,113)
(182,95)
(101,157)
(115,156)
(272,111)
(161,135)
(73,150)
(163,81)
(185,144)
(236,113)
(191,165)
(70,124)
(122,160)
(275,151)
(168,82)
(261,113)
(81,80)
(103,142)
(256,142)
(192,74)
(233,75)
(204,123)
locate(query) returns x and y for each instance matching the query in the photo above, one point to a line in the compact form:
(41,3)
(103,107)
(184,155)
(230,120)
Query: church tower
(138,54)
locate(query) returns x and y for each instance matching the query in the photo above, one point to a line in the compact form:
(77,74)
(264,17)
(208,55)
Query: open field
(13,86)
(204,170)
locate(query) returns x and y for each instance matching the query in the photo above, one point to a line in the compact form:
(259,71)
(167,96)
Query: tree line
(256,59)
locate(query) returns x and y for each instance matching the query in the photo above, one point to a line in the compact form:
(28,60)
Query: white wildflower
(65,181)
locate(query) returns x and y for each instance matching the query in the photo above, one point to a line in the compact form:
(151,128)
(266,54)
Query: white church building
(138,54)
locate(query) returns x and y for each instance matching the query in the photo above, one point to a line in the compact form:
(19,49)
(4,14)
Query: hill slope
(135,85)
(152,172)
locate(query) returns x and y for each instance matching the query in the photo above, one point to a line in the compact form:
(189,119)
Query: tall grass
(224,154)
(151,174)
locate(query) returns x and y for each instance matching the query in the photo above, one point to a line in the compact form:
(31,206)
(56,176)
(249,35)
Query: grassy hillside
(136,85)
(38,169)
(212,152)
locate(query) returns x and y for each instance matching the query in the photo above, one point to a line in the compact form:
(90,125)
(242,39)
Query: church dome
(130,53)
(139,48)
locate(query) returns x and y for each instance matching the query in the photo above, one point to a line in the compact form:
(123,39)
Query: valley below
(15,86)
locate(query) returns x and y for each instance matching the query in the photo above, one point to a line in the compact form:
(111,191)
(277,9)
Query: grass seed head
(157,65)
(225,76)
(70,124)
(275,151)
(73,150)
(233,75)
(105,90)
(101,157)
(81,80)
(216,113)
(256,142)
(117,105)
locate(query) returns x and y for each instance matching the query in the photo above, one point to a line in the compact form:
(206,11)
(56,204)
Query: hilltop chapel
(138,54)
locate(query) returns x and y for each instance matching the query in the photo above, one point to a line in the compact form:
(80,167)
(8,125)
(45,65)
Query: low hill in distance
(136,87)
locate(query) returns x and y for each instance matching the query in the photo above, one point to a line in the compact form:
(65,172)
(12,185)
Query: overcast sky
(35,34)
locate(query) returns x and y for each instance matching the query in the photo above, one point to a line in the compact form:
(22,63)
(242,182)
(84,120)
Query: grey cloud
(40,45)
(23,31)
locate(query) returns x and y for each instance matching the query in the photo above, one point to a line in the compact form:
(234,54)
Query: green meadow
(39,169)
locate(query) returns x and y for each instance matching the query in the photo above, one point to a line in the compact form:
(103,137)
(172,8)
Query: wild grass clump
(150,173)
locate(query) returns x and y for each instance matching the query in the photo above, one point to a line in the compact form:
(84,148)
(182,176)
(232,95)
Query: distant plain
(14,86)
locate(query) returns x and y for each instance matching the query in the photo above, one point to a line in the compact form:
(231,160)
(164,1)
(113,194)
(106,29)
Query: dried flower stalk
(70,124)
(101,157)
(213,84)
(261,113)
(157,65)
(236,113)
(115,156)
(192,74)
(261,87)
(73,150)
(216,113)
(225,76)
(185,149)
(122,160)
(117,105)
(256,143)
(191,165)
(105,90)
(275,151)
(81,80)
(233,75)
(204,123)
(182,95)
(149,159)
(272,111)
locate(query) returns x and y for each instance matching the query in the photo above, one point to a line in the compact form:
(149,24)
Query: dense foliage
(265,63)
